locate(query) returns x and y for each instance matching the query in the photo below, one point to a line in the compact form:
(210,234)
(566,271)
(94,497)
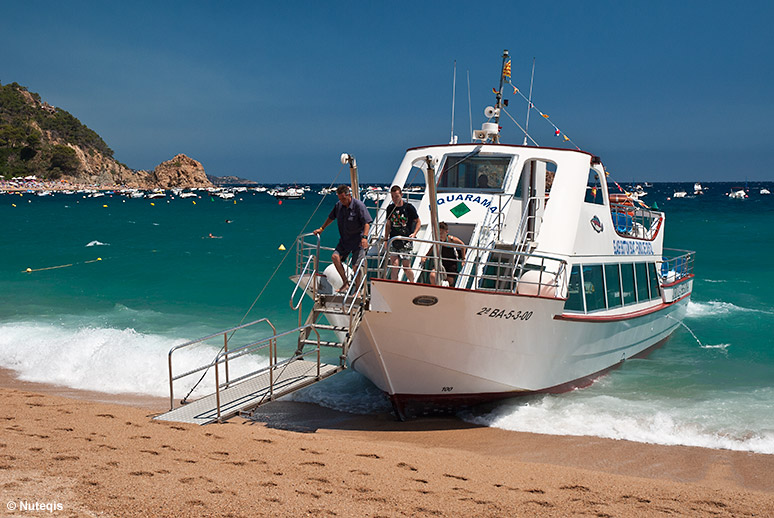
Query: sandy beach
(91,454)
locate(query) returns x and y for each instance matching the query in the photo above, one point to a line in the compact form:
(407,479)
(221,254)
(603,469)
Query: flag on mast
(507,69)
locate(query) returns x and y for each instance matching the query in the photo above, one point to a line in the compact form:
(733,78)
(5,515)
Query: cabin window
(653,278)
(641,275)
(574,295)
(594,287)
(613,285)
(627,283)
(474,173)
(594,189)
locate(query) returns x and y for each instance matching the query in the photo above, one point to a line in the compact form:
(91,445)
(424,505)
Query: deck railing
(676,265)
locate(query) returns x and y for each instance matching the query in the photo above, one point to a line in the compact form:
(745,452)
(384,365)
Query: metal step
(329,327)
(323,343)
(288,377)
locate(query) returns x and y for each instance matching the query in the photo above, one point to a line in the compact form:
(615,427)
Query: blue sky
(662,91)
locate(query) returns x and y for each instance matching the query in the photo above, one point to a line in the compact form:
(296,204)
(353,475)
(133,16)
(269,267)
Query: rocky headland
(40,140)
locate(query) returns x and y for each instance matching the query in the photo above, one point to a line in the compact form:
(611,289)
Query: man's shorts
(402,247)
(358,252)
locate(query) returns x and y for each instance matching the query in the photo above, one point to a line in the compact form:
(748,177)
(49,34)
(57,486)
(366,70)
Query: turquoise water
(108,324)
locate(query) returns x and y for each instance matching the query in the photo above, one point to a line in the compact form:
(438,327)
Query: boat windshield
(473,173)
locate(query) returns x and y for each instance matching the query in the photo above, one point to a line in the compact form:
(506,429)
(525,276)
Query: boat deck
(287,377)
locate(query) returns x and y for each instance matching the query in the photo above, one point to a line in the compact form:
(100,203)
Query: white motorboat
(764,191)
(553,282)
(738,194)
(291,193)
(698,189)
(679,194)
(156,194)
(561,280)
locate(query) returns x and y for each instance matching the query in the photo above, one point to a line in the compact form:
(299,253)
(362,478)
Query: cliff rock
(180,172)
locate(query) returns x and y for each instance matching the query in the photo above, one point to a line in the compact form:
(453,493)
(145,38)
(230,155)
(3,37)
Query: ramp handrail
(306,287)
(271,343)
(225,333)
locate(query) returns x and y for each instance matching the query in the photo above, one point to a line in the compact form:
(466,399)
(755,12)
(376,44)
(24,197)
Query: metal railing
(676,265)
(225,350)
(224,356)
(634,221)
(491,269)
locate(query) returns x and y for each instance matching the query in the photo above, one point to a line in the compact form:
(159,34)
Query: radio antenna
(454,98)
(470,113)
(529,102)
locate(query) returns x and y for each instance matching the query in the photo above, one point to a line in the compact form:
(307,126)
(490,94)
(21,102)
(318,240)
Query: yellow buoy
(153,204)
(105,206)
(13,204)
(99,258)
(29,270)
(194,202)
(282,247)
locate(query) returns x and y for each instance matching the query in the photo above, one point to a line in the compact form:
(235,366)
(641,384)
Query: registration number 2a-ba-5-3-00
(504,313)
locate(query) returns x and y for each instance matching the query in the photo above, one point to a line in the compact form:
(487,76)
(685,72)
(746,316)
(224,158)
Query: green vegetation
(32,134)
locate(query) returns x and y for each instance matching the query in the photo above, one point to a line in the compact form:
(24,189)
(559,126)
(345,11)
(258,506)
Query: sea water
(114,283)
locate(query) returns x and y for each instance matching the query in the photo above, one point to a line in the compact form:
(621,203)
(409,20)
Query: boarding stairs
(243,394)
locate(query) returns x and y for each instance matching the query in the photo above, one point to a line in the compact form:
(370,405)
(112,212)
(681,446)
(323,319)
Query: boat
(679,194)
(737,193)
(156,194)
(557,281)
(561,282)
(291,193)
(764,191)
(698,189)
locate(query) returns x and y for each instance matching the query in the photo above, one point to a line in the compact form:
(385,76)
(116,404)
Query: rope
(274,273)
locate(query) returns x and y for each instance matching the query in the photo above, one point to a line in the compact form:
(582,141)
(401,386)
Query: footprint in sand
(109,416)
(454,476)
(368,455)
(313,463)
(406,466)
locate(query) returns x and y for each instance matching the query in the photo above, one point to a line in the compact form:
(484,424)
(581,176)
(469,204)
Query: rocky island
(48,143)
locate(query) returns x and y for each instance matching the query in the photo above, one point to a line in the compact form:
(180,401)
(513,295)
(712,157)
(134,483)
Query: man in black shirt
(402,220)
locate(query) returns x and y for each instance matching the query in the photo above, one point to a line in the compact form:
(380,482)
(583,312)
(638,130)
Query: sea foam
(107,359)
(687,423)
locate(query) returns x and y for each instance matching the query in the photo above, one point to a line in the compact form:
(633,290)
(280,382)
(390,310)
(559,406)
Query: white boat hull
(474,346)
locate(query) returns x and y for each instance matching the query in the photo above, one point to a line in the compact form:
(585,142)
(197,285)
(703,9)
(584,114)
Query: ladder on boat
(242,395)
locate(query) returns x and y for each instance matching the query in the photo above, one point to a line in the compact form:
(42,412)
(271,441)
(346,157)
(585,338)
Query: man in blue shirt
(354,222)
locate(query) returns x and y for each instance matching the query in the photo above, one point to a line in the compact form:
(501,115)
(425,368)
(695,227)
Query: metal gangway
(242,394)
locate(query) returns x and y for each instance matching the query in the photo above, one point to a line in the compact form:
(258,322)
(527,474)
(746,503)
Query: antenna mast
(529,102)
(470,112)
(499,97)
(454,98)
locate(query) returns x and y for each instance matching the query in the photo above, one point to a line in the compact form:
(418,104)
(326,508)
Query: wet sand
(100,455)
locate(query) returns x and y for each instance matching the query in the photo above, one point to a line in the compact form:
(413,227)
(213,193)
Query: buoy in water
(193,202)
(105,206)
(153,204)
(29,270)
(282,247)
(280,202)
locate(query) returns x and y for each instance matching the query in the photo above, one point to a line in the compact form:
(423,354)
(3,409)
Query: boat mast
(529,102)
(454,98)
(499,97)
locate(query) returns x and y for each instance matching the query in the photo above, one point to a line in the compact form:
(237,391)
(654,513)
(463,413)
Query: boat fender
(333,277)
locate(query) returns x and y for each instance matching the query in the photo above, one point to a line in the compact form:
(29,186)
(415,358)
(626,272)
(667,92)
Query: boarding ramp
(241,395)
(250,390)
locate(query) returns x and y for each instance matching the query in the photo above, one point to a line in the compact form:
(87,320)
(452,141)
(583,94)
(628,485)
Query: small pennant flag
(515,90)
(494,91)
(545,115)
(566,138)
(507,69)
(556,133)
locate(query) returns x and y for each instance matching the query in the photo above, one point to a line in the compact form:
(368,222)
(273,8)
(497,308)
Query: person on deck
(451,256)
(354,223)
(402,220)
